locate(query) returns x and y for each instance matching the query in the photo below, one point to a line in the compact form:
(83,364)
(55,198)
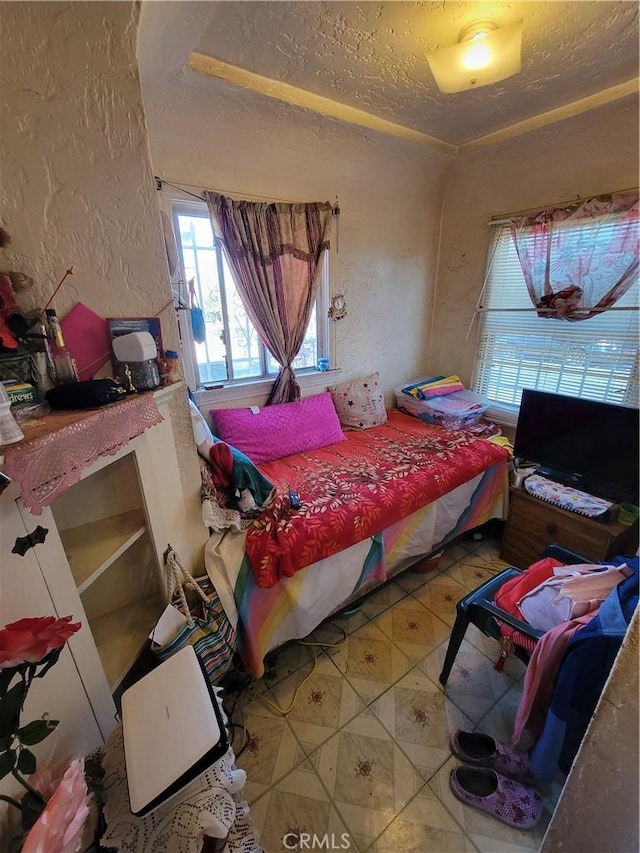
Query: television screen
(591,446)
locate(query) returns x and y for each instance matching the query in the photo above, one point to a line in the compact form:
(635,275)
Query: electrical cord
(237,707)
(245,734)
(289,708)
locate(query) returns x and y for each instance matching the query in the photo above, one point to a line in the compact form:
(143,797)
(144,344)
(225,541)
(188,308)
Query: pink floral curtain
(580,259)
(274,251)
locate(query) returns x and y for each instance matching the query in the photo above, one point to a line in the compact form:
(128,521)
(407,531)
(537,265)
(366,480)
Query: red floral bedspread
(352,490)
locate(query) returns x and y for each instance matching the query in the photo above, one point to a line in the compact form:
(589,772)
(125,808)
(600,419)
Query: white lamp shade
(479,61)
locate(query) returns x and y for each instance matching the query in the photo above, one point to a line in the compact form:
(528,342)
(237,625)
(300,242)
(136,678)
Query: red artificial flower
(29,640)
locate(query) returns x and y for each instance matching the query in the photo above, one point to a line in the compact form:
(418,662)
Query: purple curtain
(274,252)
(580,259)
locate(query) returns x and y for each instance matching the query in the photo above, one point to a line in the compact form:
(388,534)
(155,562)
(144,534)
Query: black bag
(86,395)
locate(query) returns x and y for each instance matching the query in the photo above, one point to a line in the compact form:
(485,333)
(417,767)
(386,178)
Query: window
(232,350)
(596,359)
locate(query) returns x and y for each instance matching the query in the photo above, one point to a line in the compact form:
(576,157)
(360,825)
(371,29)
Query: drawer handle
(23,543)
(552,529)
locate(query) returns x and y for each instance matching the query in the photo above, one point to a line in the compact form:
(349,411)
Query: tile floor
(364,750)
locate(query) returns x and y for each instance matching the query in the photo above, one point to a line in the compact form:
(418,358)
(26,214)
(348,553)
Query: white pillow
(359,402)
(201,432)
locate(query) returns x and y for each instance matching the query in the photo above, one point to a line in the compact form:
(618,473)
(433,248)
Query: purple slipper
(481,750)
(511,802)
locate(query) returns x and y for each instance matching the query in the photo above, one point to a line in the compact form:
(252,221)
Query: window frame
(180,206)
(503,412)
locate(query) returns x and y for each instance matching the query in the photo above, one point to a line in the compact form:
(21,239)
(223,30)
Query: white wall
(77,186)
(208,134)
(598,809)
(596,152)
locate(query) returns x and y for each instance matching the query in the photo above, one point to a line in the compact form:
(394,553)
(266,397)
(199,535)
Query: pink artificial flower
(59,827)
(47,780)
(29,640)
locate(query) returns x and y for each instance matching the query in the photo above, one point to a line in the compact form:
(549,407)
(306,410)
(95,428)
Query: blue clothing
(583,673)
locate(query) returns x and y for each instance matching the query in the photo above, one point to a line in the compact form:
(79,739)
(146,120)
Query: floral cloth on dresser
(565,496)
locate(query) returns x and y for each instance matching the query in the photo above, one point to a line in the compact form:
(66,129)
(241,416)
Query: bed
(372,504)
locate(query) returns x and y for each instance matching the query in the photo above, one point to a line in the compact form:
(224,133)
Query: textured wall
(77,187)
(593,153)
(207,134)
(598,809)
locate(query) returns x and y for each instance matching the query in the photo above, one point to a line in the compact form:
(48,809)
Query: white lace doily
(210,805)
(222,518)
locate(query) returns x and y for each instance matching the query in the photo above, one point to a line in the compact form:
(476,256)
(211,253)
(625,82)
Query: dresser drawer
(534,524)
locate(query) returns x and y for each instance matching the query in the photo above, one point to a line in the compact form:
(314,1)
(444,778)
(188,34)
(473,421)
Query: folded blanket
(247,477)
(235,483)
(408,389)
(437,386)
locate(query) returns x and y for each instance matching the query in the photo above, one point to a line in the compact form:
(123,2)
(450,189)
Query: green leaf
(32,808)
(94,775)
(48,660)
(10,708)
(7,762)
(15,845)
(26,762)
(5,742)
(36,731)
(6,676)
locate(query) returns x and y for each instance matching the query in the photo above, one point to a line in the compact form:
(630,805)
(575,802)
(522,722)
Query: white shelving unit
(102,564)
(102,524)
(91,549)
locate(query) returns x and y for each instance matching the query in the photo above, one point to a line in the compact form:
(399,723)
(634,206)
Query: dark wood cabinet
(533,524)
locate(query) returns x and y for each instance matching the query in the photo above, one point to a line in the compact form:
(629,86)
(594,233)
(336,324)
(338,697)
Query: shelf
(91,548)
(121,635)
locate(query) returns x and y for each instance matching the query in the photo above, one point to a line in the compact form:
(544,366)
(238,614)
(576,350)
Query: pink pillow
(280,430)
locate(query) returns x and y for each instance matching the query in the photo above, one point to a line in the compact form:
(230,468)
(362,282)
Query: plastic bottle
(63,362)
(10,432)
(168,367)
(42,372)
(44,368)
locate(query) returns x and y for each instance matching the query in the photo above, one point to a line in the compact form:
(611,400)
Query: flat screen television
(591,446)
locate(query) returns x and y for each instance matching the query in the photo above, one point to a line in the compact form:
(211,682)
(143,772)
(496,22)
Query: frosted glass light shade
(478,61)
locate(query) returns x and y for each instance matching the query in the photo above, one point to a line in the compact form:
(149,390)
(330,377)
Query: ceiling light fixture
(484,54)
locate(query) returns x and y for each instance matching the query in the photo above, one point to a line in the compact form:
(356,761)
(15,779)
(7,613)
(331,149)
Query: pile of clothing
(584,611)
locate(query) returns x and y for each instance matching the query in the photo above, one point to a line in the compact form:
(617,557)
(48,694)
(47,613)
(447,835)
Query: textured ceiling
(371,55)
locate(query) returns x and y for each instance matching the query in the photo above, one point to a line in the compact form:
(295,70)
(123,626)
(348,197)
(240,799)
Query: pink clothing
(541,674)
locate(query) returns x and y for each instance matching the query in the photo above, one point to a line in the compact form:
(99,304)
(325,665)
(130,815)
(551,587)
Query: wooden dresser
(533,524)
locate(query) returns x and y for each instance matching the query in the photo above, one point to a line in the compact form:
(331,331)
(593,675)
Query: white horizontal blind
(596,359)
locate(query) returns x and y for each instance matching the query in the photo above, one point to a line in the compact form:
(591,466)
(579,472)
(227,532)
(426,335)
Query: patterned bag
(208,628)
(16,366)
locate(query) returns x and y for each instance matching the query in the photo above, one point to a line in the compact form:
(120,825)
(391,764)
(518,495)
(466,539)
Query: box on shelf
(21,392)
(453,411)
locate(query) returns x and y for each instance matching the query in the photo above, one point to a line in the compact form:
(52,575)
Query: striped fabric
(212,636)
